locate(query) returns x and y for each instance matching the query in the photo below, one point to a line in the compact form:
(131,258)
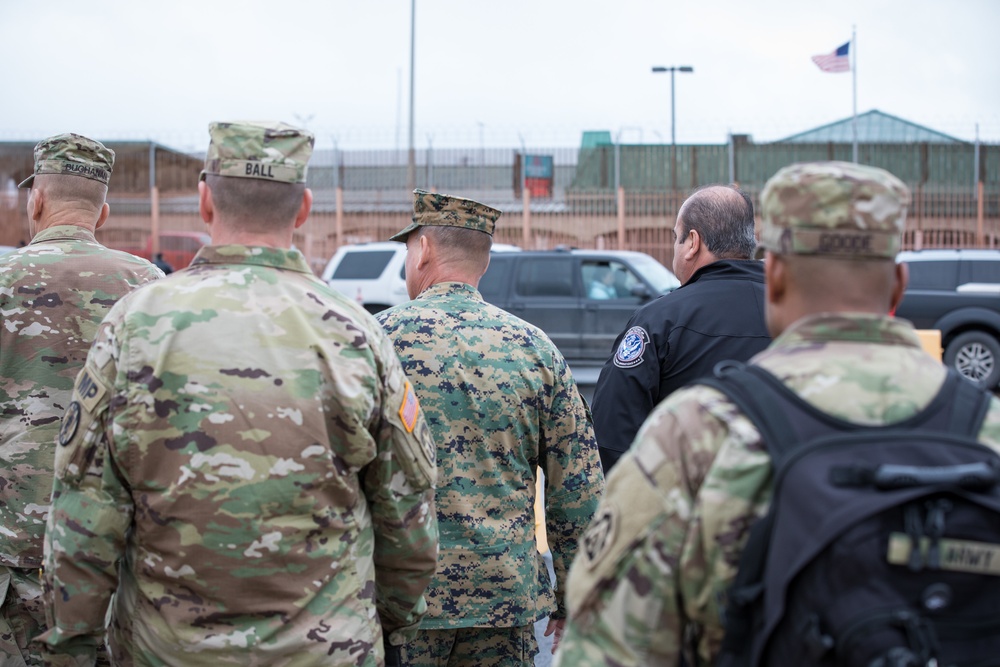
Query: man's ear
(103,217)
(427,250)
(694,239)
(303,214)
(205,204)
(775,277)
(36,202)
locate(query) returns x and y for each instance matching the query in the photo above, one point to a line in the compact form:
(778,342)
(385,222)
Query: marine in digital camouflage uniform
(244,464)
(54,293)
(651,578)
(500,401)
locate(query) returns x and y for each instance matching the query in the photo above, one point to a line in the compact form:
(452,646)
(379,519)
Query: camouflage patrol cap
(836,209)
(447,211)
(73,155)
(267,150)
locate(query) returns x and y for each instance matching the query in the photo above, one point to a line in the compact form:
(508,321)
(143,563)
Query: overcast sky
(491,72)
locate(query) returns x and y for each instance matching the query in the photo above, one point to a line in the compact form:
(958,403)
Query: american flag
(838,61)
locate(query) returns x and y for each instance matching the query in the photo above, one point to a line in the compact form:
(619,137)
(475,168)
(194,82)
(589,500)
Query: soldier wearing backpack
(883,546)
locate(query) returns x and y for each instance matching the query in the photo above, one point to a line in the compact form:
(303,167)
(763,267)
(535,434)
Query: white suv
(373,274)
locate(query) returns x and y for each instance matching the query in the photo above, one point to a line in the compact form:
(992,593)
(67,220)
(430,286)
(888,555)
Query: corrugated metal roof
(873,127)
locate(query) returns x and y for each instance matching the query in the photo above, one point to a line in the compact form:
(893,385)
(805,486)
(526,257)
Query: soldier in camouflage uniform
(244,463)
(54,293)
(500,401)
(650,581)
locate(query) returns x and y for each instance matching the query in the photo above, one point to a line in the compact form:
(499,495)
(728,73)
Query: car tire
(976,356)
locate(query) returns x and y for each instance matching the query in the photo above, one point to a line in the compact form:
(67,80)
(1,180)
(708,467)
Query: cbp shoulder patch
(410,409)
(632,347)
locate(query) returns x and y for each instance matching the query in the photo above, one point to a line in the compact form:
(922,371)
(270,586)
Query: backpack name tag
(956,555)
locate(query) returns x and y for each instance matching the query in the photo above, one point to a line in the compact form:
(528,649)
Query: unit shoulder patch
(600,535)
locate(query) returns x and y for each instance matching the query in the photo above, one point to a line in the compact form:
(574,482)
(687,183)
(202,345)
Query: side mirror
(640,291)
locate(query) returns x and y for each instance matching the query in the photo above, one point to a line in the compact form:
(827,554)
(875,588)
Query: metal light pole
(673,136)
(411,162)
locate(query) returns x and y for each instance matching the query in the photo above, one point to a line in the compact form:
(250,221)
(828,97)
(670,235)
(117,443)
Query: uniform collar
(848,327)
(279,258)
(451,288)
(63,233)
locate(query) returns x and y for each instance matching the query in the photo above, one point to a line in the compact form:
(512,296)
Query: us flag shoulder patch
(410,409)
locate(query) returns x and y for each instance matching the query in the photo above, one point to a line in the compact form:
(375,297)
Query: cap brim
(26,183)
(400,236)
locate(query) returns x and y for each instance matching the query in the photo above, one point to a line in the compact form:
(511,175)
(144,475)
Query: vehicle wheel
(976,355)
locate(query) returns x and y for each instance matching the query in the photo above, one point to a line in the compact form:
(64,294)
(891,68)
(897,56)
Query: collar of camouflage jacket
(63,233)
(849,327)
(451,288)
(279,258)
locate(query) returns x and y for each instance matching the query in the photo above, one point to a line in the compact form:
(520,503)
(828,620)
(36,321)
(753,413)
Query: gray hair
(723,216)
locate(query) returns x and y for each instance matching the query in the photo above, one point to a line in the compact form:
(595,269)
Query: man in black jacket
(716,314)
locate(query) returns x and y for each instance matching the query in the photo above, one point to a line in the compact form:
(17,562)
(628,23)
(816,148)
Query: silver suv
(958,293)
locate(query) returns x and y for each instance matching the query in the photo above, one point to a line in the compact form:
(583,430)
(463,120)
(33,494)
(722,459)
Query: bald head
(438,254)
(715,223)
(801,285)
(723,217)
(66,200)
(72,191)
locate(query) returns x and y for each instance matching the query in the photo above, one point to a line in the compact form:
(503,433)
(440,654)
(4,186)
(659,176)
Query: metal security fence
(613,196)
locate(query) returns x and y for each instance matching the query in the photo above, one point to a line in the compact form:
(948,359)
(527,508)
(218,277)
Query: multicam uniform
(244,439)
(53,295)
(500,400)
(697,478)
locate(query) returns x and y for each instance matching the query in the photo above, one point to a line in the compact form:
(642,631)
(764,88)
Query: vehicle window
(492,285)
(980,272)
(362,265)
(933,275)
(603,279)
(657,275)
(545,276)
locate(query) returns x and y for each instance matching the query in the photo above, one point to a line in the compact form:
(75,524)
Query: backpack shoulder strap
(756,397)
(761,397)
(969,404)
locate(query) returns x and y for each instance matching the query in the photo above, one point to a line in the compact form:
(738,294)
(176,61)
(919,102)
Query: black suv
(581,298)
(958,293)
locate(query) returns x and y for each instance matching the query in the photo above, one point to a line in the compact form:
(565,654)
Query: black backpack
(881,547)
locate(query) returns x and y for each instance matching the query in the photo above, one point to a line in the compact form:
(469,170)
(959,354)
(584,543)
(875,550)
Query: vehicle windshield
(659,276)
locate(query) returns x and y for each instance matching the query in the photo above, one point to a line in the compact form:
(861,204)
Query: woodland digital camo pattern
(500,401)
(679,505)
(247,442)
(439,210)
(72,155)
(270,151)
(482,647)
(840,209)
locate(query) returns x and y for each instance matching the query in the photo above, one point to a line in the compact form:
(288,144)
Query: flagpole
(854,77)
